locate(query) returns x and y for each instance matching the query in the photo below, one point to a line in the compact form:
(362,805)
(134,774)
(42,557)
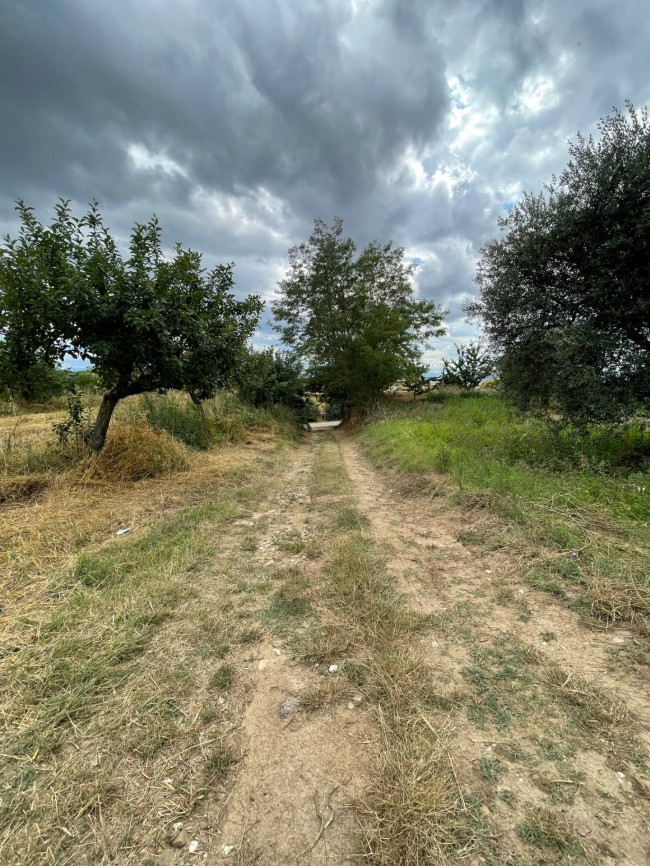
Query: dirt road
(347,679)
(549,763)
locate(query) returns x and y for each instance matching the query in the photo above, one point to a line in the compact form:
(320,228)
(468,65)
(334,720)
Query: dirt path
(548,734)
(547,740)
(300,771)
(343,678)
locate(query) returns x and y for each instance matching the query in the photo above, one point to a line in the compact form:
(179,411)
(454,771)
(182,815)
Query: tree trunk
(197,402)
(103,419)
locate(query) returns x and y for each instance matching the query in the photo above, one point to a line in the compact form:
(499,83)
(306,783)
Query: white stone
(193,847)
(357,699)
(333,669)
(276,651)
(178,826)
(350,706)
(227,850)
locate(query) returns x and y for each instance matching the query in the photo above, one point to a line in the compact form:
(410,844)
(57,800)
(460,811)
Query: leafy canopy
(354,318)
(565,293)
(471,366)
(33,291)
(273,378)
(146,323)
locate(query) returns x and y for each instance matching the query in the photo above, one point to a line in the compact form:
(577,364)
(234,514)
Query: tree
(144,322)
(415,381)
(271,378)
(472,365)
(33,281)
(354,318)
(565,293)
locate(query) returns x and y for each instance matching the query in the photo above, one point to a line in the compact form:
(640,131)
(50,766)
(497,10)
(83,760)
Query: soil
(291,795)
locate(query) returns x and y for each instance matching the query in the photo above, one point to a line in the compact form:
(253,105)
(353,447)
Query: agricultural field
(424,640)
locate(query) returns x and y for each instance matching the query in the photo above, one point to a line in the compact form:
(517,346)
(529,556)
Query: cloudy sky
(239,121)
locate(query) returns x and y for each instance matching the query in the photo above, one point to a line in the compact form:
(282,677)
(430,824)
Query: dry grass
(133,452)
(94,726)
(592,709)
(414,811)
(328,692)
(40,536)
(618,600)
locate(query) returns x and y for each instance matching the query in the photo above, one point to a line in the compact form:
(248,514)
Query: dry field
(291,658)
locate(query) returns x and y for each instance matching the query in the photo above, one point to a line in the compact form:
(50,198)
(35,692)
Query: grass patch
(222,678)
(577,504)
(218,764)
(544,829)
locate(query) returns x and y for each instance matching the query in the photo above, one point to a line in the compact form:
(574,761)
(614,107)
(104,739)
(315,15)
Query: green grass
(481,444)
(582,501)
(222,678)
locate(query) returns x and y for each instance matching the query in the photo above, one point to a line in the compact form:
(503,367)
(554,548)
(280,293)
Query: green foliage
(179,417)
(273,378)
(471,366)
(564,293)
(145,323)
(34,282)
(75,427)
(354,318)
(482,444)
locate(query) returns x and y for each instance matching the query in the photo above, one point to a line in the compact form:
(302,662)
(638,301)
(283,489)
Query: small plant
(76,427)
(218,764)
(222,677)
(491,769)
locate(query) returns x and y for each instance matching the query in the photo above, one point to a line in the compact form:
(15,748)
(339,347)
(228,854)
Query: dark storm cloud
(239,121)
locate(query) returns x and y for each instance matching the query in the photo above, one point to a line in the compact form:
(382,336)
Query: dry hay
(81,509)
(133,452)
(618,600)
(18,488)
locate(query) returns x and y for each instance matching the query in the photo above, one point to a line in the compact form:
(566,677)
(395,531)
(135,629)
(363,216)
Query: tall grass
(576,504)
(481,444)
(149,435)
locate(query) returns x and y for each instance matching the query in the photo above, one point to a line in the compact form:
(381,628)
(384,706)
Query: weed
(350,519)
(217,765)
(545,830)
(491,769)
(222,678)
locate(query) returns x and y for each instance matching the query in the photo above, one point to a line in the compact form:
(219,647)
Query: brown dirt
(290,796)
(610,814)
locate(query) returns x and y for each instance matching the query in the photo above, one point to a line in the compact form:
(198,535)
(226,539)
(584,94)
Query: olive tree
(565,292)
